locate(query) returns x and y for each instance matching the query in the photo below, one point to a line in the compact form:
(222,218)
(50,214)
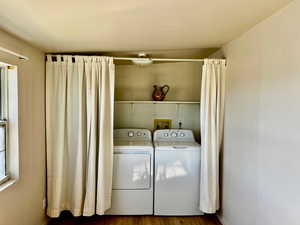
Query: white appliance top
(174,135)
(176,145)
(132,134)
(132,145)
(132,139)
(175,139)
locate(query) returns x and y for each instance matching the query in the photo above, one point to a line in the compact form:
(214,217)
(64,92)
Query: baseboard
(222,220)
(45,222)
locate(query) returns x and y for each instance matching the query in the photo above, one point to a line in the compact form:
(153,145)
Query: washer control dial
(173,134)
(130,133)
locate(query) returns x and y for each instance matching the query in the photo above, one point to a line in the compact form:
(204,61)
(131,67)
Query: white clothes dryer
(132,192)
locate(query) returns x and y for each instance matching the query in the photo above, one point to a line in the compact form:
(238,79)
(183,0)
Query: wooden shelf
(155,102)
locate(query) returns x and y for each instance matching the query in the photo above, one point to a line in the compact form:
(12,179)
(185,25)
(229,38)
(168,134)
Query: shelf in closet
(155,102)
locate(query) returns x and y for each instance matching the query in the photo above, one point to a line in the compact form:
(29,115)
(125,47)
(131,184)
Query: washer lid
(132,145)
(176,145)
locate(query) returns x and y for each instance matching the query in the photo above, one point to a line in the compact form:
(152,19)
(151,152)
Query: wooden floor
(67,219)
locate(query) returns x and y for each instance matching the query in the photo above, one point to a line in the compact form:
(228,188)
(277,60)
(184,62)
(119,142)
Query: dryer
(177,173)
(132,192)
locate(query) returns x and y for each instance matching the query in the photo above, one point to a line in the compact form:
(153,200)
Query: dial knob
(166,134)
(182,134)
(139,133)
(130,134)
(173,134)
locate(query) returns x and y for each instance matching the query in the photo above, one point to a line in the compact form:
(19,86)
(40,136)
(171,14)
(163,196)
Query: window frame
(3,118)
(6,177)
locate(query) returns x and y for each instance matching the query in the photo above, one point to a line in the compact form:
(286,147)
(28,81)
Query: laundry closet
(135,108)
(158,172)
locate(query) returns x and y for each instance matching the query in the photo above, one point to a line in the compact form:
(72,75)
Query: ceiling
(131,25)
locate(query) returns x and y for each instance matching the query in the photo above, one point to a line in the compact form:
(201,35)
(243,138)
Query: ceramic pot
(159,93)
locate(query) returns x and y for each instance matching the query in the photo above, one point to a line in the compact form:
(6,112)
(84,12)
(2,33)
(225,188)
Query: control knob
(173,134)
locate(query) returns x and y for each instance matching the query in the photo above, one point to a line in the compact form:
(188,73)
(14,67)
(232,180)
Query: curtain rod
(146,58)
(158,59)
(22,57)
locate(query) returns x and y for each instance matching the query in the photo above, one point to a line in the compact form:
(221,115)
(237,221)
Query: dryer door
(131,171)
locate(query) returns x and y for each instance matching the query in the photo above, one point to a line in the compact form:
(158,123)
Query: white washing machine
(177,173)
(132,192)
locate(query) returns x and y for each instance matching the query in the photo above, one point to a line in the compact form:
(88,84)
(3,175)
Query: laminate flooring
(67,219)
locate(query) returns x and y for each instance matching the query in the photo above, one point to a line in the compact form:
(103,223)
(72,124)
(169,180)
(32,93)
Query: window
(4,175)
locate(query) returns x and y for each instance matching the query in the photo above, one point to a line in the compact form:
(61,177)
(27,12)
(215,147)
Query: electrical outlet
(162,124)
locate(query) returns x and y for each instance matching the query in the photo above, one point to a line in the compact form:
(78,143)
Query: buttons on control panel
(136,134)
(173,134)
(130,134)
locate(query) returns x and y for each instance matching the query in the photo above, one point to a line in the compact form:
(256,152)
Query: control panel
(133,134)
(173,135)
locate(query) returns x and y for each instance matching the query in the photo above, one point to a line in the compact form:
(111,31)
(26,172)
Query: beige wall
(21,203)
(141,115)
(261,148)
(136,82)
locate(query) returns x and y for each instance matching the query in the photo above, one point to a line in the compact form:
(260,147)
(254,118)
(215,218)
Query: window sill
(7,184)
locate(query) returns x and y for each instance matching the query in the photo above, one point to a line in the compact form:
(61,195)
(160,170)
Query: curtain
(211,119)
(79,134)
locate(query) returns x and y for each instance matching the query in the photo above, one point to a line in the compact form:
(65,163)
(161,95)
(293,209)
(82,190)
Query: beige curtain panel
(79,115)
(211,125)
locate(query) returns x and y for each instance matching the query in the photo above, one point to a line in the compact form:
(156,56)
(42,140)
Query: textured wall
(136,82)
(21,203)
(261,148)
(143,115)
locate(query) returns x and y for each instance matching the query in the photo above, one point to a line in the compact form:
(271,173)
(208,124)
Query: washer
(177,173)
(132,192)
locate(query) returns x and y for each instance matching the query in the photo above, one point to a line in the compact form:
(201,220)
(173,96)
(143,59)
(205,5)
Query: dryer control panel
(133,134)
(173,135)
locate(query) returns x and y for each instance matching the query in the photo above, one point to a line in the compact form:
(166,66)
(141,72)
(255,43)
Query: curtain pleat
(79,128)
(211,125)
